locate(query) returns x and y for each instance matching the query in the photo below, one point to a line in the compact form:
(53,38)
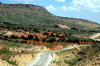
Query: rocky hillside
(18,54)
(26,14)
(90,56)
(82,56)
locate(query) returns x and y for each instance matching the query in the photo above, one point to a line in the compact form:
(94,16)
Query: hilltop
(29,15)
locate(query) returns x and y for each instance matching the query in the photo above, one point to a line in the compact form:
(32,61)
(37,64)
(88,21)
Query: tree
(18,27)
(63,39)
(52,40)
(25,31)
(36,30)
(45,33)
(30,37)
(23,41)
(57,35)
(52,35)
(48,30)
(44,29)
(36,38)
(6,38)
(44,40)
(22,37)
(14,37)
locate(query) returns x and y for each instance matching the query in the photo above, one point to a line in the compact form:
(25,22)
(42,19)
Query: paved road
(45,58)
(94,36)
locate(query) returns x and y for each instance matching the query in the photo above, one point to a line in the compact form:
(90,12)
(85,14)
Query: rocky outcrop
(31,49)
(16,49)
(23,60)
(29,6)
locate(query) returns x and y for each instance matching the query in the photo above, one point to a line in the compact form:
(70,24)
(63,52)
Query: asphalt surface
(45,58)
(97,35)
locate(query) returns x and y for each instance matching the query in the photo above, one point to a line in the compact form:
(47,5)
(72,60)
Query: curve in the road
(95,36)
(45,58)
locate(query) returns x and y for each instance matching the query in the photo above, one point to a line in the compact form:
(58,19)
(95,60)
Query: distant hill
(27,14)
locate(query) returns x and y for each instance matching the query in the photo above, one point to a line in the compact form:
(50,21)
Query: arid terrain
(26,30)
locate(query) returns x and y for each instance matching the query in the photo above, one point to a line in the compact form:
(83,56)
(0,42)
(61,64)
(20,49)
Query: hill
(29,15)
(81,56)
(89,56)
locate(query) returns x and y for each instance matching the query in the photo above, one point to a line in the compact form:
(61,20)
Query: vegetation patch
(5,51)
(11,62)
(71,62)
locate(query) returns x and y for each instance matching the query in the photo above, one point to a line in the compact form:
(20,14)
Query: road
(94,36)
(45,58)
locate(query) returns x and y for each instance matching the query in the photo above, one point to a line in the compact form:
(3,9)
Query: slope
(27,14)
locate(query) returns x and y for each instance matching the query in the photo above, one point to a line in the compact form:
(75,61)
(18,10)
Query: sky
(82,9)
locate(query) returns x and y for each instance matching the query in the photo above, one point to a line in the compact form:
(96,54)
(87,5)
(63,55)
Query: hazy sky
(84,9)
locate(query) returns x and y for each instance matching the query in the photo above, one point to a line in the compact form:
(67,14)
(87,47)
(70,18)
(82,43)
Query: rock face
(29,6)
(31,49)
(23,60)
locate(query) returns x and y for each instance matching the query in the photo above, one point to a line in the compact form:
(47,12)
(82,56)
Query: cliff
(29,6)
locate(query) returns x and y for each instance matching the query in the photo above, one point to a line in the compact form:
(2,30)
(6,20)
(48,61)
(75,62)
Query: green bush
(36,38)
(44,40)
(14,37)
(6,38)
(22,37)
(71,62)
(11,62)
(30,37)
(5,51)
(52,40)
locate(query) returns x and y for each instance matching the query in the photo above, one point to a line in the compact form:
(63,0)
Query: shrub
(52,35)
(14,37)
(63,39)
(23,41)
(22,37)
(30,37)
(44,40)
(36,38)
(11,62)
(52,40)
(45,33)
(4,51)
(72,62)
(57,35)
(6,38)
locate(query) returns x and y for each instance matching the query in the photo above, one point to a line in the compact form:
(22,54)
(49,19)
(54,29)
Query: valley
(29,32)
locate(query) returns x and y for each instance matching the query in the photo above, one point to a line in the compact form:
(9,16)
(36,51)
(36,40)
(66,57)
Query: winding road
(45,58)
(94,36)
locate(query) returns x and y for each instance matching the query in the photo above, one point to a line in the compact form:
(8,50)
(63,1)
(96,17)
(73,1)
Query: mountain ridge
(31,7)
(27,14)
